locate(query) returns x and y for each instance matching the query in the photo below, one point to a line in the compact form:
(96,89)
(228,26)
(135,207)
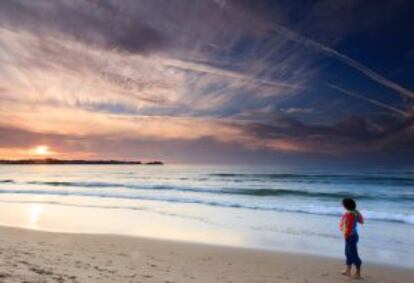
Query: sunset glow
(42,150)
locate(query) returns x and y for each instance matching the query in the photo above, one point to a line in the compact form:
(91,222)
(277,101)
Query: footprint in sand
(4,275)
(324,274)
(41,271)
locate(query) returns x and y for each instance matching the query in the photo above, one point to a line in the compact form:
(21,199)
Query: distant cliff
(51,161)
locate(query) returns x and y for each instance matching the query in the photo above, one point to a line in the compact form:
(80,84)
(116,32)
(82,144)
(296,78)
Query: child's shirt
(348,224)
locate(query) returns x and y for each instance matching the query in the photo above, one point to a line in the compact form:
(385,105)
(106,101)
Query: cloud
(92,77)
(62,69)
(349,136)
(94,22)
(294,110)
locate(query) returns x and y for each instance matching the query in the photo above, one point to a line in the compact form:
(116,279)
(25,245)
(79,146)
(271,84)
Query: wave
(322,178)
(309,209)
(75,184)
(265,192)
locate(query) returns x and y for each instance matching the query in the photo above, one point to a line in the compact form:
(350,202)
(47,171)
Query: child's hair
(349,203)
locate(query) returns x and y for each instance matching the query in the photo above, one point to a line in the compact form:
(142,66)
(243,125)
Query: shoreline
(317,235)
(69,257)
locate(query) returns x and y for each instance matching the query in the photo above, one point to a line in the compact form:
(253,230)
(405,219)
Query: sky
(208,81)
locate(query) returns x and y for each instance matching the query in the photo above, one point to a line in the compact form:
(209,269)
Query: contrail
(345,59)
(369,100)
(178,64)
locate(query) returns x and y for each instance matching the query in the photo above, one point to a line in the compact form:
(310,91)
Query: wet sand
(32,256)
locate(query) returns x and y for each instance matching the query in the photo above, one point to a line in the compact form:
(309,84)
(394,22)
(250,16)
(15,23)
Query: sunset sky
(208,81)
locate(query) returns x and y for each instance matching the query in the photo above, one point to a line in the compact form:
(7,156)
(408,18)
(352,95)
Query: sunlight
(34,213)
(41,150)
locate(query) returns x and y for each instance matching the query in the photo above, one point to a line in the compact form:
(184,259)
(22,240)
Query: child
(348,226)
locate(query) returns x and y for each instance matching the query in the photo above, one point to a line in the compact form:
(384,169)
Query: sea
(263,207)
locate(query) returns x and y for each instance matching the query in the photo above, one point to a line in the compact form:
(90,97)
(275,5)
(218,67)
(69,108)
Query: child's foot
(346,272)
(357,274)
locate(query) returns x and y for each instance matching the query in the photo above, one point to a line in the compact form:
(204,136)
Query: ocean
(265,207)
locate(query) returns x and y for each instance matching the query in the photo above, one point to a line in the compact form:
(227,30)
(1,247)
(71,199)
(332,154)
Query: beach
(34,256)
(178,223)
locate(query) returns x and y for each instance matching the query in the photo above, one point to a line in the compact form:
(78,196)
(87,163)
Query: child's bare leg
(347,271)
(357,274)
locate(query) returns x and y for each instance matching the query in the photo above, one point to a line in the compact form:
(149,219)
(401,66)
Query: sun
(41,150)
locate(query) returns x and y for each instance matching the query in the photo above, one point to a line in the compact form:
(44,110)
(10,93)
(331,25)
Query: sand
(32,256)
